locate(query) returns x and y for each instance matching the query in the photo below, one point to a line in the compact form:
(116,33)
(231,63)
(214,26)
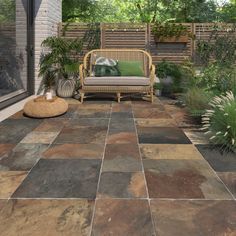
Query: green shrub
(220,121)
(197,101)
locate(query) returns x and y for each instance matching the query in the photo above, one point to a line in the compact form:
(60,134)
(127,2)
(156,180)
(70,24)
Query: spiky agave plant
(220,121)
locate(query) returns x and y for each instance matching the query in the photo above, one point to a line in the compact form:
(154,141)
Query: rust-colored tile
(122,185)
(150,113)
(5,149)
(9,181)
(169,151)
(40,137)
(196,136)
(73,151)
(51,125)
(229,179)
(46,217)
(162,122)
(185,218)
(122,218)
(122,137)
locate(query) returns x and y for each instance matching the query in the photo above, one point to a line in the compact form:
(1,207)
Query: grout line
(148,198)
(99,178)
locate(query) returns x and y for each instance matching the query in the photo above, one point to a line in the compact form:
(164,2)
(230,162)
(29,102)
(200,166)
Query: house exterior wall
(48,13)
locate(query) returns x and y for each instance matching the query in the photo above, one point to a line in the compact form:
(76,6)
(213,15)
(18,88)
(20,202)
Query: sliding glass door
(16,50)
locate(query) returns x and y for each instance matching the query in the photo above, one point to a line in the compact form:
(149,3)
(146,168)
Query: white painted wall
(48,13)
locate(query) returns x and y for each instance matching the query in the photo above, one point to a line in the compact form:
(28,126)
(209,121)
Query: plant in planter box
(61,58)
(157,89)
(171,32)
(170,77)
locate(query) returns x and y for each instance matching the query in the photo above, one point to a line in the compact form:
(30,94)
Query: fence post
(102,36)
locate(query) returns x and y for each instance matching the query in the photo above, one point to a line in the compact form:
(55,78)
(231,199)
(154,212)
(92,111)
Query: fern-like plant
(220,121)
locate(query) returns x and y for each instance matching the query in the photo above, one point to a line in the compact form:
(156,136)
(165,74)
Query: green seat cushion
(104,70)
(130,68)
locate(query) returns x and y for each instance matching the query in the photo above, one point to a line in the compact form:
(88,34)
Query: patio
(105,168)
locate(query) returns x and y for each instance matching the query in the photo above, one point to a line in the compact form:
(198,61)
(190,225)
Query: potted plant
(157,89)
(62,59)
(171,33)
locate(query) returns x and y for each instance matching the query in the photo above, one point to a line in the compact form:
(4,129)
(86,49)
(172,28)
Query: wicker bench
(117,84)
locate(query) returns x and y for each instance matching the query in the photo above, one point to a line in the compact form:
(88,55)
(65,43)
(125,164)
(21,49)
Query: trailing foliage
(220,122)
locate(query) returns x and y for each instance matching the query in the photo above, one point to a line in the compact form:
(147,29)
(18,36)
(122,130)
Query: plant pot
(66,87)
(180,39)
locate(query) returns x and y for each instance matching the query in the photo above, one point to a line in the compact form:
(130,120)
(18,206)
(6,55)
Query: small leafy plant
(220,122)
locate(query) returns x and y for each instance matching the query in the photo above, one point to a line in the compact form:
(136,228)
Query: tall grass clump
(220,121)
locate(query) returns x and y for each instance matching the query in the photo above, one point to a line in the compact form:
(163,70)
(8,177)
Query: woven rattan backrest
(119,54)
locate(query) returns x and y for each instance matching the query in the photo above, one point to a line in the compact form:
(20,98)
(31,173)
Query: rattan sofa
(117,84)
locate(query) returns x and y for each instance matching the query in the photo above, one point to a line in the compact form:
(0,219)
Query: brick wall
(47,15)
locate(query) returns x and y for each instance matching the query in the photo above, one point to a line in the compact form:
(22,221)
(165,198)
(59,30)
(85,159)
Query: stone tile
(121,125)
(196,137)
(122,157)
(5,149)
(148,104)
(46,217)
(69,114)
(88,105)
(122,115)
(51,125)
(162,135)
(82,135)
(211,218)
(162,122)
(19,115)
(122,137)
(122,185)
(61,179)
(14,130)
(229,179)
(150,113)
(74,151)
(87,123)
(220,161)
(169,151)
(92,113)
(122,218)
(183,179)
(9,181)
(40,137)
(23,157)
(121,107)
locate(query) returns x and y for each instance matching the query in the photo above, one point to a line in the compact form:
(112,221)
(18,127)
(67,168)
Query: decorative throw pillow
(130,68)
(105,61)
(104,70)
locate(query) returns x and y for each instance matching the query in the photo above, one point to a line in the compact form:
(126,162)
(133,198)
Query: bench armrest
(152,74)
(81,74)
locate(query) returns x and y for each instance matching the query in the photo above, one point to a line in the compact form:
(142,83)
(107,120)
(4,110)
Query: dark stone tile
(14,130)
(61,179)
(23,157)
(163,135)
(122,137)
(5,149)
(69,114)
(121,125)
(122,157)
(121,107)
(46,217)
(185,218)
(220,161)
(122,218)
(74,151)
(183,179)
(122,115)
(92,113)
(122,185)
(150,113)
(82,135)
(87,123)
(51,125)
(229,179)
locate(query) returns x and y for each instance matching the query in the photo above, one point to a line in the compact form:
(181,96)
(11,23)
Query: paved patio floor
(113,169)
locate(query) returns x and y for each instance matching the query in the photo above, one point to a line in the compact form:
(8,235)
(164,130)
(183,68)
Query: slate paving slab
(122,157)
(161,122)
(14,130)
(165,135)
(9,182)
(169,151)
(40,137)
(23,157)
(74,151)
(122,185)
(219,161)
(5,149)
(122,218)
(121,125)
(61,179)
(191,179)
(150,113)
(46,217)
(211,218)
(51,125)
(92,113)
(229,179)
(87,123)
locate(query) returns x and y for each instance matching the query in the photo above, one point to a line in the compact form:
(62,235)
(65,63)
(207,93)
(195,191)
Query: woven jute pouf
(42,108)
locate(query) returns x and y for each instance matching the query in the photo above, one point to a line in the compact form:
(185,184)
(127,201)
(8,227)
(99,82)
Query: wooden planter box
(181,39)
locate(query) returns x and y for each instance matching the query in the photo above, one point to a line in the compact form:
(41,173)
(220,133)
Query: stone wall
(48,13)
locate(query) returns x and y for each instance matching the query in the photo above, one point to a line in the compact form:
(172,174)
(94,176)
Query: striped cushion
(121,80)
